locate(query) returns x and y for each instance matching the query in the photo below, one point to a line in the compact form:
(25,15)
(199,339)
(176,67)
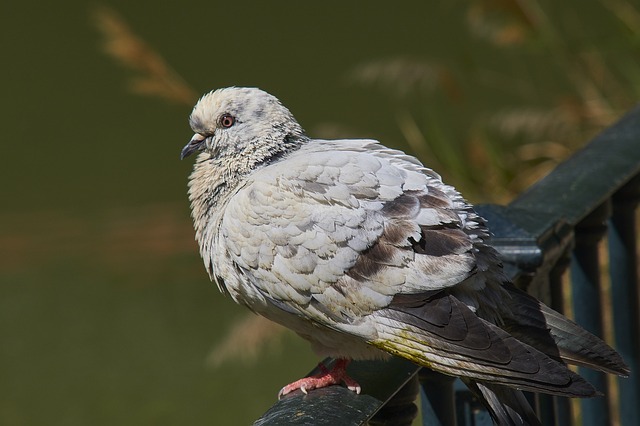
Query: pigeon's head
(239,121)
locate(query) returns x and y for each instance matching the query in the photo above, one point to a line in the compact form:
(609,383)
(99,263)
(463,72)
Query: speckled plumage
(363,251)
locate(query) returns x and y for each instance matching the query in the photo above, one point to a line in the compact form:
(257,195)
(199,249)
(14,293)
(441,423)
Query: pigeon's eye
(227,120)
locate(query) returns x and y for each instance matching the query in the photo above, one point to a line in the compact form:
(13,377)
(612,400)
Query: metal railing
(555,226)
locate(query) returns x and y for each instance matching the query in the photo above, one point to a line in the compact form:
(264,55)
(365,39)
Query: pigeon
(363,251)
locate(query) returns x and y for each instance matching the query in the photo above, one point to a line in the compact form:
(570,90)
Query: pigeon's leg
(326,377)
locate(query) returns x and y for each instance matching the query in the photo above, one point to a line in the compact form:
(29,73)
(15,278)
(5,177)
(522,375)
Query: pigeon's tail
(536,324)
(508,407)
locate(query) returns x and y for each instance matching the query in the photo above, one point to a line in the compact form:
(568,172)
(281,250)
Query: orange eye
(227,120)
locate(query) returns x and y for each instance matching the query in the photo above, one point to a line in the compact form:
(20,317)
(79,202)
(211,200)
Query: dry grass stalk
(501,22)
(626,13)
(533,123)
(245,340)
(155,77)
(399,76)
(415,138)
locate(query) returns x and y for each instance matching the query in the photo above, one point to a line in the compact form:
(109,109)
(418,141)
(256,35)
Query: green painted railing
(557,225)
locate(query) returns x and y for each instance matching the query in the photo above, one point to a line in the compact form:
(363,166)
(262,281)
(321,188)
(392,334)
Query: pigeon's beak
(195,144)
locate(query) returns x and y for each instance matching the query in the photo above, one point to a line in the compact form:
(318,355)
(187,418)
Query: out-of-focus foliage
(520,126)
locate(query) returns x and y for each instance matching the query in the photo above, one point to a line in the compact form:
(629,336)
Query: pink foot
(335,376)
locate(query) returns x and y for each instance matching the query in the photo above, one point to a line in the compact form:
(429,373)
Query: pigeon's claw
(352,385)
(335,376)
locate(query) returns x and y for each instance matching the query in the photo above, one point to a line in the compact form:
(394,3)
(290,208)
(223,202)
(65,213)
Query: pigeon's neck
(216,178)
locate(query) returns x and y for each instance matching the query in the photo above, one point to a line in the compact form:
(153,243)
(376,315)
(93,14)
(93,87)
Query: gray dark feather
(508,407)
(536,324)
(455,332)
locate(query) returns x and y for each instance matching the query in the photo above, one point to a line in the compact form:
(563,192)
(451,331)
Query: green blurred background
(106,314)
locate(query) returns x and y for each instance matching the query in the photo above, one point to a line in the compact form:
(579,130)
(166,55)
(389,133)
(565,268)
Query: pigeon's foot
(326,377)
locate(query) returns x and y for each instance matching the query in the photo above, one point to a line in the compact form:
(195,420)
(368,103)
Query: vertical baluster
(548,287)
(585,280)
(562,406)
(545,409)
(544,404)
(438,399)
(624,289)
(400,410)
(469,410)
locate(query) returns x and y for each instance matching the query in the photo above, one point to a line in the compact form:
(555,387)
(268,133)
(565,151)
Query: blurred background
(106,313)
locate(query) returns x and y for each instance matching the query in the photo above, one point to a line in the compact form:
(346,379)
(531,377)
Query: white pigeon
(365,252)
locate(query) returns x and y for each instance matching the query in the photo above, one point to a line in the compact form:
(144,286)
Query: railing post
(469,410)
(401,409)
(585,280)
(438,398)
(624,291)
(561,406)
(537,265)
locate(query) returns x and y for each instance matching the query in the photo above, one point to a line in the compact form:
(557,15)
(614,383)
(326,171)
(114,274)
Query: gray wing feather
(441,332)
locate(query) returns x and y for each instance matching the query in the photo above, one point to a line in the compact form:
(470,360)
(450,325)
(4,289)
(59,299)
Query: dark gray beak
(195,144)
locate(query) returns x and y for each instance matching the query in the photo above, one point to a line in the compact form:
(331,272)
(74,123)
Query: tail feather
(536,324)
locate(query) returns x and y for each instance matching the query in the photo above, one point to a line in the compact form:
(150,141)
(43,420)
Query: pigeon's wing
(335,235)
(442,333)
